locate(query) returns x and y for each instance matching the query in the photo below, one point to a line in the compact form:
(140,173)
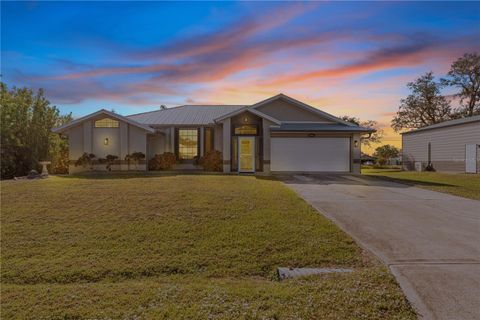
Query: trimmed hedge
(212,161)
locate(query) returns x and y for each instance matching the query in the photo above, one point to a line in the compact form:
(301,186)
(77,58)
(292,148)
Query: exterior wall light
(355,143)
(105,142)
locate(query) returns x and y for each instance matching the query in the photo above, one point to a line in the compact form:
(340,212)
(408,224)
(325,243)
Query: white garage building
(279,134)
(449,146)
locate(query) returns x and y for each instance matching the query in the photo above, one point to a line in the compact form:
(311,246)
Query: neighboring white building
(279,134)
(448,146)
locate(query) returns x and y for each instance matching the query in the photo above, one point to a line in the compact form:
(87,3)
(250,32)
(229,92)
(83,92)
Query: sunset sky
(344,58)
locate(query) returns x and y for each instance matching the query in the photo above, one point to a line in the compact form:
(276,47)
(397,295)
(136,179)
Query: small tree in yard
(423,107)
(385,153)
(26,120)
(464,74)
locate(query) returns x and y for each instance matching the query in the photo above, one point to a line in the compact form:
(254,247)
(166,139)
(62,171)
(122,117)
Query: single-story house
(367,159)
(449,146)
(279,134)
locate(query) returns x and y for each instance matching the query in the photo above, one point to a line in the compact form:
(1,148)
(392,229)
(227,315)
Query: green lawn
(187,246)
(460,184)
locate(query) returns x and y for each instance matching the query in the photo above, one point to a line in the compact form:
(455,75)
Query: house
(279,134)
(449,146)
(367,159)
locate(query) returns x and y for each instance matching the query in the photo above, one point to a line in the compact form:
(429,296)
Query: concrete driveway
(429,240)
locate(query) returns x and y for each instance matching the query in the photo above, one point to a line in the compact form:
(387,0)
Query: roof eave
(69,125)
(445,124)
(321,130)
(247,109)
(303,106)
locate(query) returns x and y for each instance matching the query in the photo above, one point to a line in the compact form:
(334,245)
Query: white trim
(247,109)
(64,127)
(252,139)
(265,116)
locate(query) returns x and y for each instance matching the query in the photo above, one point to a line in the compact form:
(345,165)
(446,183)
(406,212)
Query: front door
(246,154)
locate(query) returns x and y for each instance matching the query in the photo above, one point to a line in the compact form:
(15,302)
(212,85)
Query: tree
(465,75)
(58,148)
(423,107)
(385,153)
(26,138)
(375,137)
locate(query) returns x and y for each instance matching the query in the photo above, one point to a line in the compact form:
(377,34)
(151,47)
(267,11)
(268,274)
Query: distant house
(367,159)
(449,146)
(279,134)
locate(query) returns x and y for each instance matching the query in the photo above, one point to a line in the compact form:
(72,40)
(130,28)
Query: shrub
(110,160)
(86,159)
(197,160)
(212,161)
(164,161)
(134,157)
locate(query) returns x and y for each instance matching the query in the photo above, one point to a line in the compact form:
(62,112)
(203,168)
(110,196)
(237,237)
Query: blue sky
(343,57)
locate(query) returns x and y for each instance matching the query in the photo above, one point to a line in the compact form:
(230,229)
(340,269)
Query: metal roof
(185,115)
(302,126)
(104,112)
(447,124)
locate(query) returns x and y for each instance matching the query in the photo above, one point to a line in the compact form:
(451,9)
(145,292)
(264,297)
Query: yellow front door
(246,154)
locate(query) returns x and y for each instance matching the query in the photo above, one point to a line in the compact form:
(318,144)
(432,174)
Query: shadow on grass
(98,175)
(324,179)
(350,179)
(411,182)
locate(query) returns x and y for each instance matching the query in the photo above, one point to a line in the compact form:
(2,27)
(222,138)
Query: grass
(179,247)
(459,184)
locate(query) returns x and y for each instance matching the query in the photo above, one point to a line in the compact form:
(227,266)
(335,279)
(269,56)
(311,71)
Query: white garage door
(310,154)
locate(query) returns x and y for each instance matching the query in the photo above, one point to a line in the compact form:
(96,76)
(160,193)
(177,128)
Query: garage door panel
(310,154)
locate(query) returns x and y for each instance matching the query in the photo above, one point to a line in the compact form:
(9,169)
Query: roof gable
(287,109)
(251,110)
(107,113)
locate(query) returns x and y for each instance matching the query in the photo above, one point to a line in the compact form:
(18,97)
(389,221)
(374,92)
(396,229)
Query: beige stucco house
(279,134)
(449,146)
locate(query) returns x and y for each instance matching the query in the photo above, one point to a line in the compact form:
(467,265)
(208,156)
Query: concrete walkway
(429,240)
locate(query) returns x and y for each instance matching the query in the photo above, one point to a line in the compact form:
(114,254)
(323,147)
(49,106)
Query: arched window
(106,123)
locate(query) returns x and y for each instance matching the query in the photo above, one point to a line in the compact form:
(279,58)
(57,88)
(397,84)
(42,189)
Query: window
(246,129)
(187,143)
(106,123)
(208,140)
